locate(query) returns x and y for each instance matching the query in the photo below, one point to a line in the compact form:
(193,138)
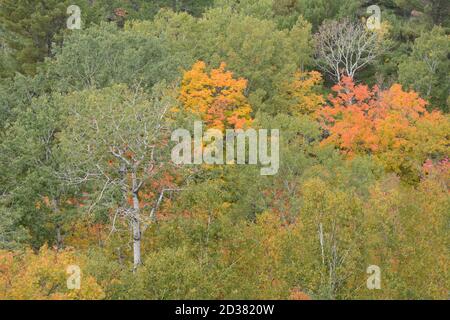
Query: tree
(331,230)
(302,94)
(408,239)
(392,125)
(434,10)
(32,191)
(345,47)
(116,137)
(103,55)
(427,69)
(33,28)
(30,31)
(85,125)
(255,50)
(12,234)
(45,276)
(216,97)
(314,11)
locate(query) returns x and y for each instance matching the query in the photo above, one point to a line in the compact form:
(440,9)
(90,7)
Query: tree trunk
(59,240)
(136,232)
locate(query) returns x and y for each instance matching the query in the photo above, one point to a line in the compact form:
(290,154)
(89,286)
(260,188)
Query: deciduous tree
(345,47)
(216,97)
(116,137)
(44,276)
(390,124)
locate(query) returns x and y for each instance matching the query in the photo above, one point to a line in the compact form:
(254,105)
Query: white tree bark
(131,127)
(345,47)
(135,220)
(136,232)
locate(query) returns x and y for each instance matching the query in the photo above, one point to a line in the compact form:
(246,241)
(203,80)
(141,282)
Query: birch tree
(345,47)
(115,139)
(332,232)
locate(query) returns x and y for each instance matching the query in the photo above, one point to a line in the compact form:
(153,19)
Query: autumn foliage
(216,97)
(388,123)
(43,276)
(303,91)
(324,176)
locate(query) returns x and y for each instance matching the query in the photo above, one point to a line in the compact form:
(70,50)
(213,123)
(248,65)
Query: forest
(342,192)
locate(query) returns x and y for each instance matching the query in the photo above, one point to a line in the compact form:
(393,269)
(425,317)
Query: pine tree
(31,29)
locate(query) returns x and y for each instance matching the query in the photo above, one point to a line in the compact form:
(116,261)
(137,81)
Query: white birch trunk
(136,232)
(135,222)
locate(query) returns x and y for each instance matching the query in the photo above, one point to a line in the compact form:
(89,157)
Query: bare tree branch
(345,47)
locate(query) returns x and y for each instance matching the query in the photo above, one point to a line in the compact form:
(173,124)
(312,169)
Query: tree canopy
(88,184)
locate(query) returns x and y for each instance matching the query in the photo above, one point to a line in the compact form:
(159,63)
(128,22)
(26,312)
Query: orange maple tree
(394,125)
(216,97)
